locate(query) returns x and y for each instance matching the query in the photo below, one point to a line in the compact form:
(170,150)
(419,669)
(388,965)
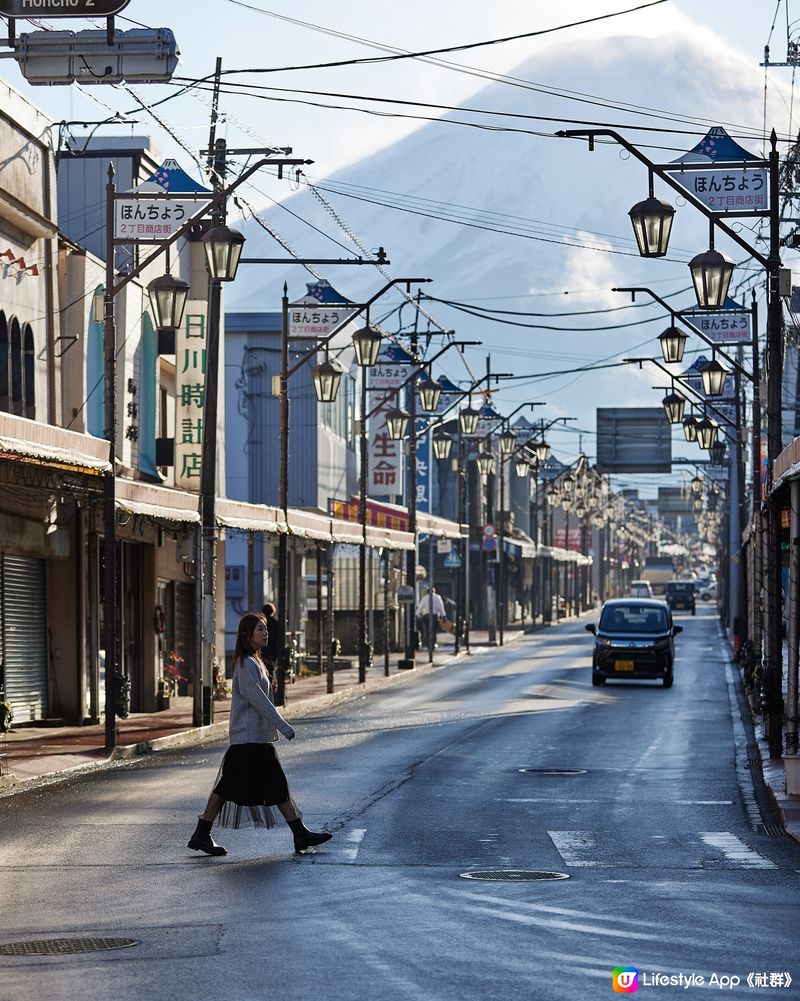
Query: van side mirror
(676,630)
(590,627)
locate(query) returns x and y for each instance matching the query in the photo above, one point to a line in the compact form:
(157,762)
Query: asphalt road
(671,867)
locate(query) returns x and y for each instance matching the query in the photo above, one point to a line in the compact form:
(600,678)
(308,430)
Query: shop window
(28,371)
(16,367)
(4,370)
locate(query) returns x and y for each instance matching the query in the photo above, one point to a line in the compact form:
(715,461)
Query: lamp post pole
(363,650)
(109,481)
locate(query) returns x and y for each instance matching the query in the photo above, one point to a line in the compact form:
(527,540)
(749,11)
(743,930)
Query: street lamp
(168,299)
(367,345)
(714,376)
(690,428)
(568,485)
(396,423)
(711,275)
(542,450)
(673,342)
(707,433)
(468,419)
(442,443)
(522,468)
(717,453)
(429,393)
(652,223)
(696,484)
(508,441)
(485,463)
(673,407)
(223,247)
(327,378)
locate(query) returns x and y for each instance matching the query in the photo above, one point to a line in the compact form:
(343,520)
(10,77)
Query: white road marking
(572,846)
(737,851)
(354,837)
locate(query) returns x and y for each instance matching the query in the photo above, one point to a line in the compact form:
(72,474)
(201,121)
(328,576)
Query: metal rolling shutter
(24,627)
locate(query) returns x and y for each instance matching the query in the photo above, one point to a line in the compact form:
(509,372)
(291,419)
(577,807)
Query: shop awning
(159,503)
(563,555)
(44,444)
(520,548)
(249,517)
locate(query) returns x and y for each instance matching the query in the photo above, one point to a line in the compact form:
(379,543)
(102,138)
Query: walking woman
(251,781)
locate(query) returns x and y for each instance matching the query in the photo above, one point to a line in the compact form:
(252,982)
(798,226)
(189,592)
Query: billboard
(633,440)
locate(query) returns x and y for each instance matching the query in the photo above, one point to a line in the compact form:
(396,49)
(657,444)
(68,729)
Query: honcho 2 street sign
(62,8)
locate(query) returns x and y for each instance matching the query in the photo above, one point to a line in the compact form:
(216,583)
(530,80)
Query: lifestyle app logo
(625,979)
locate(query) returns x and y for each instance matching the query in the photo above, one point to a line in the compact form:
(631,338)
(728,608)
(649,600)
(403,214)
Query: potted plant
(6,716)
(168,682)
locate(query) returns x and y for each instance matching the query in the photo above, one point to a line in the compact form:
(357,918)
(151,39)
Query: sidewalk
(31,756)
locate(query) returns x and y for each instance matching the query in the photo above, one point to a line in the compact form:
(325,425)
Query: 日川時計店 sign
(61,8)
(732,191)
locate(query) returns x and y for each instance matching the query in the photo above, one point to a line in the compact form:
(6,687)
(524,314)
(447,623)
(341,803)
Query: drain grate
(554,771)
(771,830)
(64,946)
(513,875)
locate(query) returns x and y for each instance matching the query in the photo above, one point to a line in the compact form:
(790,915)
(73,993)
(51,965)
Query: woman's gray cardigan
(254,719)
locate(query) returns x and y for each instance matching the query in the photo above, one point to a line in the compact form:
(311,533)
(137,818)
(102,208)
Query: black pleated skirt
(250,781)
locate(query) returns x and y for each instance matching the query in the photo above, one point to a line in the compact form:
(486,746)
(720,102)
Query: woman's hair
(244,638)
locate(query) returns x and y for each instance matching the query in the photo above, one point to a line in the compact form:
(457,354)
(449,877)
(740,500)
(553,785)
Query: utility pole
(411,490)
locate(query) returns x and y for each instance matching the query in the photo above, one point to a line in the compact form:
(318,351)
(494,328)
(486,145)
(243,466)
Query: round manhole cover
(554,771)
(64,946)
(513,875)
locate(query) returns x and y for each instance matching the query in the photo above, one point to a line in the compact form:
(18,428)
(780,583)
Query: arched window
(3,362)
(28,372)
(16,368)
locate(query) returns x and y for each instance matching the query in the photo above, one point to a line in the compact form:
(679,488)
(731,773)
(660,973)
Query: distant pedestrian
(251,781)
(429,610)
(273,654)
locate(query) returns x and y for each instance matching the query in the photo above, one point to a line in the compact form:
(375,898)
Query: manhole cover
(64,946)
(513,875)
(554,771)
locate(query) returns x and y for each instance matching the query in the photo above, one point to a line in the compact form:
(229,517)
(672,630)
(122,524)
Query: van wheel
(668,679)
(598,680)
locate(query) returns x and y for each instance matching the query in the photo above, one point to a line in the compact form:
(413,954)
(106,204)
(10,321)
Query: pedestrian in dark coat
(251,781)
(273,654)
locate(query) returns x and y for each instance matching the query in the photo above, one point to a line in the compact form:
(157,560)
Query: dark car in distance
(681,594)
(634,639)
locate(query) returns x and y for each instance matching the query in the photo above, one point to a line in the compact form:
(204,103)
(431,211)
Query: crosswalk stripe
(737,851)
(580,849)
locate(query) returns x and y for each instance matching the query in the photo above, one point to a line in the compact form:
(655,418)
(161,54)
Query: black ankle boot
(201,840)
(305,839)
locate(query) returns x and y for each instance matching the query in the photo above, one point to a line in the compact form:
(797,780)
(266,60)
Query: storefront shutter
(24,628)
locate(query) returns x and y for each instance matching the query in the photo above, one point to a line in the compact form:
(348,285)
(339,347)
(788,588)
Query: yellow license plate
(623,665)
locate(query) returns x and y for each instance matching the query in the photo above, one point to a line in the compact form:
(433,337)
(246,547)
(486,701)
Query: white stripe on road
(573,845)
(354,837)
(736,851)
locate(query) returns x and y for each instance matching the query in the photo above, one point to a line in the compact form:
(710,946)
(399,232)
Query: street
(672,869)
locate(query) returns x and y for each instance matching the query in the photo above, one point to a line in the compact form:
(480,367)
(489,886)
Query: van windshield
(633,619)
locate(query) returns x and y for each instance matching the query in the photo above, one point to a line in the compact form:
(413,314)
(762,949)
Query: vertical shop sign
(190,392)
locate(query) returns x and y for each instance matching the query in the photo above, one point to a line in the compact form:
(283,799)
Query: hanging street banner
(731,325)
(62,8)
(385,474)
(321,310)
(718,172)
(156,209)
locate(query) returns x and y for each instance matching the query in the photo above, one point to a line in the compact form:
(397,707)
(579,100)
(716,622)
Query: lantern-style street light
(707,433)
(168,299)
(429,393)
(673,342)
(673,407)
(714,376)
(367,346)
(652,223)
(522,468)
(508,441)
(485,463)
(711,275)
(223,247)
(468,419)
(396,423)
(542,450)
(442,443)
(690,428)
(327,378)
